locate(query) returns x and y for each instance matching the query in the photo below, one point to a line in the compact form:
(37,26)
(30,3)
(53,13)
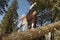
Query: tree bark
(33,33)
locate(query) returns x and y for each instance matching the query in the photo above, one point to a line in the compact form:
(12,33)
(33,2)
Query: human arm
(32,5)
(19,20)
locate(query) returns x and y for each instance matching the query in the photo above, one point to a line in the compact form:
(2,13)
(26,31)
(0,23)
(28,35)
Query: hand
(35,3)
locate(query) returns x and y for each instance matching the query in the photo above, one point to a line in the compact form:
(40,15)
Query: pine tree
(8,20)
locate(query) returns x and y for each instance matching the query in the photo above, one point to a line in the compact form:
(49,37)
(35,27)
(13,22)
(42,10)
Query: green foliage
(3,4)
(8,20)
(42,4)
(57,35)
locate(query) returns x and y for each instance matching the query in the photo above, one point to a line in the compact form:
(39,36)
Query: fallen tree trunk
(33,33)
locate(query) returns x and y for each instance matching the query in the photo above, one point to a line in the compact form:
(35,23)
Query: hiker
(29,18)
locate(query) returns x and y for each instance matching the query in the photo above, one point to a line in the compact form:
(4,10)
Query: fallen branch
(33,33)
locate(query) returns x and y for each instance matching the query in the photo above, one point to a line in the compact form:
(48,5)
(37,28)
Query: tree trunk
(52,32)
(33,33)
